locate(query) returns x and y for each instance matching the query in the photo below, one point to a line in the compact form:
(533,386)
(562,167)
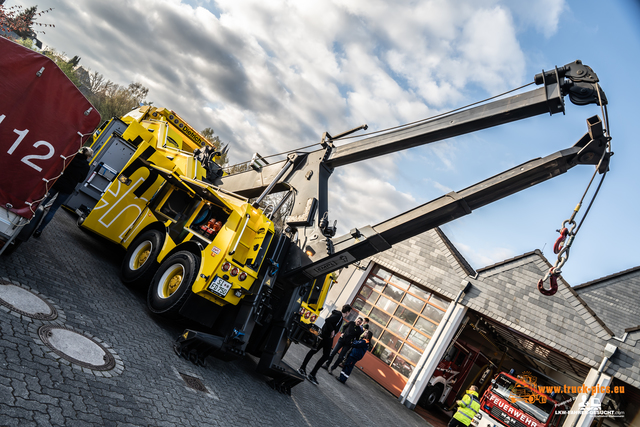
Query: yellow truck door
(127,196)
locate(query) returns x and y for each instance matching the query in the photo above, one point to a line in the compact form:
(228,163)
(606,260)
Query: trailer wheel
(431,395)
(12,247)
(139,264)
(171,284)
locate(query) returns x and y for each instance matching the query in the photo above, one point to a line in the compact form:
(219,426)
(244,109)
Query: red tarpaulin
(40,117)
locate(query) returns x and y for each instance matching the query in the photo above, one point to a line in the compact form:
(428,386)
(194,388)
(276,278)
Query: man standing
(74,174)
(329,329)
(358,349)
(468,407)
(351,331)
(365,327)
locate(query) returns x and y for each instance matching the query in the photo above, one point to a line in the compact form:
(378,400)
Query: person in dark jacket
(351,331)
(358,350)
(74,174)
(329,329)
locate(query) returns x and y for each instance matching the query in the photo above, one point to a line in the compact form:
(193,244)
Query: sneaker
(312,379)
(37,233)
(330,370)
(338,378)
(302,372)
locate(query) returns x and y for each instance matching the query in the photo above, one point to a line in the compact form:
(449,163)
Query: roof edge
(462,262)
(611,276)
(589,310)
(507,261)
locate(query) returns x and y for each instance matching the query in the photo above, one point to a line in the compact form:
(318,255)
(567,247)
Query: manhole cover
(194,382)
(76,348)
(26,302)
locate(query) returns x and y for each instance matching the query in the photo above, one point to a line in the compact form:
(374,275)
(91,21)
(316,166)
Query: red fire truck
(515,402)
(461,365)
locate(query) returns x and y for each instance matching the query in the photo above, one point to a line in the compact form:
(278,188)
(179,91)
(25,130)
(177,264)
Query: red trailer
(44,121)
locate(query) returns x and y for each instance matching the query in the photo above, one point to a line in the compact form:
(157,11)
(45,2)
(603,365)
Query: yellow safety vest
(468,407)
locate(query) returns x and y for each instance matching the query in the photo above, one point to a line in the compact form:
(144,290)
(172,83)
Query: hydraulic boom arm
(317,252)
(362,243)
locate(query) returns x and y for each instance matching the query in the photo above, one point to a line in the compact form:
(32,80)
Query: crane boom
(318,252)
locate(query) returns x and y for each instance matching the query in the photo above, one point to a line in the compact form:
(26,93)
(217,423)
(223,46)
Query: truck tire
(11,248)
(431,396)
(139,263)
(172,283)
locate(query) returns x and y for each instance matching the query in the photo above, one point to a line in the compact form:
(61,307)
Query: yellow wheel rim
(140,255)
(170,281)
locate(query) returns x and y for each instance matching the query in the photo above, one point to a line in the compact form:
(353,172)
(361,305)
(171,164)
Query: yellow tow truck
(183,235)
(199,249)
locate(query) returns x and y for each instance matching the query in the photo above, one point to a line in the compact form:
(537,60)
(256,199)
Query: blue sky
(273,76)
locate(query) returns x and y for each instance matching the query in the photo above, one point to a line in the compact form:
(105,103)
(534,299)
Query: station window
(403,318)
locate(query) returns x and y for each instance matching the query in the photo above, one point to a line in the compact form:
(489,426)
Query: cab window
(460,358)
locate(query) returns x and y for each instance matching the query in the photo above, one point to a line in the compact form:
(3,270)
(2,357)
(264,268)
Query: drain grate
(194,383)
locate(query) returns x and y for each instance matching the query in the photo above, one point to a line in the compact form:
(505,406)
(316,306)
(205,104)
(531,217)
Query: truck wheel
(171,284)
(431,396)
(9,250)
(139,264)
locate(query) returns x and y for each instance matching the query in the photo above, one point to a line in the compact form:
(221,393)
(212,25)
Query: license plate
(219,287)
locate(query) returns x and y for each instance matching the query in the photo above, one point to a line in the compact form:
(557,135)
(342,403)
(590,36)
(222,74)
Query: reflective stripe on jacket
(468,407)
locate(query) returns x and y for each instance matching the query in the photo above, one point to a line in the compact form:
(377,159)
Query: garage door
(403,317)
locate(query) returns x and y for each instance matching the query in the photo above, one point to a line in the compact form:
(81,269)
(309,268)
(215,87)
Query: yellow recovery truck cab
(182,235)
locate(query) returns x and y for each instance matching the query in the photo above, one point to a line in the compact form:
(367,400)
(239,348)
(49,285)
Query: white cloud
(543,15)
(272,76)
(360,195)
(491,52)
(484,258)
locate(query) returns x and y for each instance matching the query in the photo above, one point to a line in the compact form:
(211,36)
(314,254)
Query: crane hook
(553,282)
(557,247)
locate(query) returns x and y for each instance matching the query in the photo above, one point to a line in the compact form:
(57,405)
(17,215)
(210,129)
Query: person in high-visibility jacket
(468,407)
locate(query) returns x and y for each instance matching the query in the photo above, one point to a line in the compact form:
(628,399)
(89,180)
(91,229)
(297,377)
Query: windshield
(523,397)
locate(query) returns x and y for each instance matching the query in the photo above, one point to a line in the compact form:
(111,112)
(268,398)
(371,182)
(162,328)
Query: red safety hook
(557,247)
(553,281)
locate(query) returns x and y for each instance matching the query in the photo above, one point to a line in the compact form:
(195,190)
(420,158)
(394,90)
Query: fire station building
(439,326)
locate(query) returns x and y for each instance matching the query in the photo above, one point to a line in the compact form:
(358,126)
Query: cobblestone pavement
(77,273)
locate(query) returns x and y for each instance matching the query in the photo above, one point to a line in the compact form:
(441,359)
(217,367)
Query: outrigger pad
(284,378)
(197,346)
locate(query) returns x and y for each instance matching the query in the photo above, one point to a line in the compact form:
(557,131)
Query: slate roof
(616,299)
(507,293)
